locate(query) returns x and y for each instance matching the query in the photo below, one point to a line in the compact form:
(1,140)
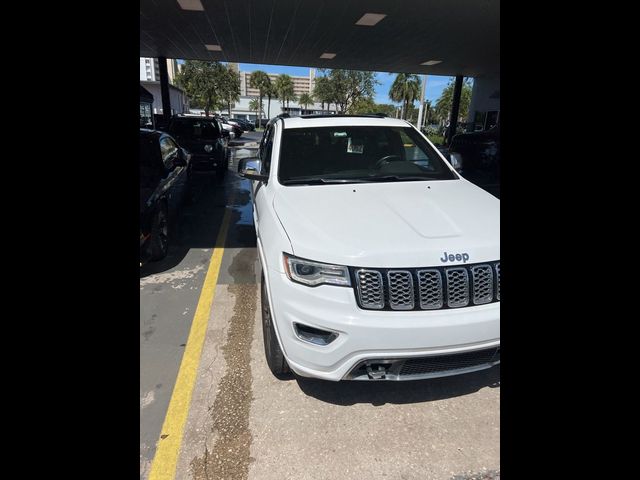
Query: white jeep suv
(379,262)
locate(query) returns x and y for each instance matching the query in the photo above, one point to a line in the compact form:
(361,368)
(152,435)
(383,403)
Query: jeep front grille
(427,288)
(369,285)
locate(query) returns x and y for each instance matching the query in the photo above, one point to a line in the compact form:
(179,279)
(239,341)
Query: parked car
(245,124)
(476,156)
(203,137)
(379,261)
(164,184)
(235,127)
(260,123)
(227,130)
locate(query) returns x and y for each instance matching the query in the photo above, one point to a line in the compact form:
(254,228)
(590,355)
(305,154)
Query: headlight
(208,148)
(315,273)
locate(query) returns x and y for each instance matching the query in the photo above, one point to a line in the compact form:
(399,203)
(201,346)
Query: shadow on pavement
(198,223)
(381,393)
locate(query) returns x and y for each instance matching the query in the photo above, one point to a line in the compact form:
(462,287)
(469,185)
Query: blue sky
(435,83)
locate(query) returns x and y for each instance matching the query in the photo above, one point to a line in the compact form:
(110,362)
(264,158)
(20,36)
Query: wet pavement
(243,423)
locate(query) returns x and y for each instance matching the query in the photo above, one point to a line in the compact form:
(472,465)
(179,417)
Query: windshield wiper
(321,181)
(395,178)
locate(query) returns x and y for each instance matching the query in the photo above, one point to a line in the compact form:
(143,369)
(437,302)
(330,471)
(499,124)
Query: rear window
(362,152)
(195,129)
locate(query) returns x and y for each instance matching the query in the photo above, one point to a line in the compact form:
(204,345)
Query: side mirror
(250,168)
(182,158)
(456,161)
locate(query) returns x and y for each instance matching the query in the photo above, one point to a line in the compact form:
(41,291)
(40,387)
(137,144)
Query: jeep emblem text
(457,257)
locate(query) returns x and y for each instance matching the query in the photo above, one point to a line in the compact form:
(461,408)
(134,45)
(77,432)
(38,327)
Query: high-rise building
(150,69)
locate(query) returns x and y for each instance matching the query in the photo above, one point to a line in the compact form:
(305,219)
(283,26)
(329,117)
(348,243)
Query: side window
(168,150)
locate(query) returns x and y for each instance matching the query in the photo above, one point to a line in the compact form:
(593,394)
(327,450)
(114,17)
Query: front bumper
(374,337)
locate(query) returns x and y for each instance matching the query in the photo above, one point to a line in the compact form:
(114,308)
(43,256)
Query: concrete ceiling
(464,34)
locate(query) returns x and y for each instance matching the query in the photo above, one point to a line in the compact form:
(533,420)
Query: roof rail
(366,115)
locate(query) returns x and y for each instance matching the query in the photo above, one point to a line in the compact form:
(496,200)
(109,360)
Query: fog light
(314,335)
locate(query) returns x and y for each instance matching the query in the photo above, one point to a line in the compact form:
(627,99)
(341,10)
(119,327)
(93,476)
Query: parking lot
(210,407)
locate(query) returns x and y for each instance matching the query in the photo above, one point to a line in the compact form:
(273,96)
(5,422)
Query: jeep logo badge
(460,257)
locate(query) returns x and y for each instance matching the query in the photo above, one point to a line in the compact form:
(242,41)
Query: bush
(436,139)
(431,130)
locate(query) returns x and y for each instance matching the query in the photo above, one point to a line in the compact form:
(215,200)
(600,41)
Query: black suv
(203,138)
(164,185)
(476,156)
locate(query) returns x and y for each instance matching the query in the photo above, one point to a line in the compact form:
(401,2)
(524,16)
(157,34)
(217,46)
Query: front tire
(275,358)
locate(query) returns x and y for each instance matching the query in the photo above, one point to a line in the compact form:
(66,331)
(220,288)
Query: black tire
(225,165)
(159,245)
(275,358)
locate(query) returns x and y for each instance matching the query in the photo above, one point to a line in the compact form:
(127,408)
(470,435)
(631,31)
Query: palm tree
(262,82)
(284,89)
(405,89)
(270,92)
(442,108)
(305,100)
(256,105)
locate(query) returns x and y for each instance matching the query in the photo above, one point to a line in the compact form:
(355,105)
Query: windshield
(195,129)
(358,154)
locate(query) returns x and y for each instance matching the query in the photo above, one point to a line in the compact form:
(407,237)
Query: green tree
(322,91)
(256,105)
(442,108)
(200,80)
(229,84)
(405,89)
(362,106)
(349,86)
(305,100)
(284,89)
(261,81)
(269,92)
(386,108)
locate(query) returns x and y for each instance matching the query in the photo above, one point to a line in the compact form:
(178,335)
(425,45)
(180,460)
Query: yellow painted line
(168,449)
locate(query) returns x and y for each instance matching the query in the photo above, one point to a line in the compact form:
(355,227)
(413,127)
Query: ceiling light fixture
(194,5)
(431,62)
(370,19)
(214,48)
(328,55)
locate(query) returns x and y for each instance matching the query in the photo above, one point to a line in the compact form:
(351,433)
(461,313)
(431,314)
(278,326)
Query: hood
(400,224)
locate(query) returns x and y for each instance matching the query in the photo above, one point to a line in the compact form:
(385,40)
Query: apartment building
(300,84)
(150,69)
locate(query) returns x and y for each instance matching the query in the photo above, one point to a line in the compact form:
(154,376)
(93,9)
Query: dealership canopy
(437,37)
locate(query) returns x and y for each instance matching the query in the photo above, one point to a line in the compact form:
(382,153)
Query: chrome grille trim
(370,289)
(430,288)
(400,287)
(482,284)
(457,287)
